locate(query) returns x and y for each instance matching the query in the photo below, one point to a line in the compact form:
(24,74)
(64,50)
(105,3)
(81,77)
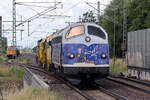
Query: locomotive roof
(75,24)
(60,32)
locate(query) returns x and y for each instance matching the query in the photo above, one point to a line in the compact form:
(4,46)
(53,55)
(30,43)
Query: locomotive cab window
(11,49)
(57,40)
(96,31)
(78,30)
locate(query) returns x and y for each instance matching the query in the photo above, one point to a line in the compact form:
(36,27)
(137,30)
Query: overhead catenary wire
(34,31)
(38,15)
(72,8)
(75,5)
(28,20)
(35,2)
(33,5)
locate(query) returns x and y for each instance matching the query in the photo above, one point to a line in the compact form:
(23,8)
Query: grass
(20,59)
(117,66)
(11,72)
(2,62)
(32,93)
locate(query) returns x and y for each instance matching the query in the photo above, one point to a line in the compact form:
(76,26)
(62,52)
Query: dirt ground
(8,85)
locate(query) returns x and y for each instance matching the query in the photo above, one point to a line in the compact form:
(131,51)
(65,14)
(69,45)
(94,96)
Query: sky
(70,10)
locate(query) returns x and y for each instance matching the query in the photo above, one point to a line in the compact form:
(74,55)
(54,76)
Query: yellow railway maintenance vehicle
(44,62)
(44,52)
(40,49)
(48,51)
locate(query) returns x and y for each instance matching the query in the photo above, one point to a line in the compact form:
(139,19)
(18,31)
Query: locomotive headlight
(71,56)
(87,39)
(103,56)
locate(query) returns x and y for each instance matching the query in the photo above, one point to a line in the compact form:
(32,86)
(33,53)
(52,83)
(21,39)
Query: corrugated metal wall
(139,48)
(0,35)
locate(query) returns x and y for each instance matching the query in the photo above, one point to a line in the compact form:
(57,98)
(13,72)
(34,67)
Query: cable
(38,15)
(33,5)
(73,6)
(34,2)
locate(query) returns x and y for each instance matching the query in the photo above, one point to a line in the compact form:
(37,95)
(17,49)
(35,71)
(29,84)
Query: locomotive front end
(86,52)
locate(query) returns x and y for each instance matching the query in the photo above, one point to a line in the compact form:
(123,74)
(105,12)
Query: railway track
(83,93)
(90,96)
(139,85)
(135,80)
(117,96)
(100,90)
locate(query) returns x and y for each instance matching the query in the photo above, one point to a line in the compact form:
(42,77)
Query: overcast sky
(43,26)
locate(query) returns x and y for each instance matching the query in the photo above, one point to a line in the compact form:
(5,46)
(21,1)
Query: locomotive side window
(57,39)
(96,31)
(78,30)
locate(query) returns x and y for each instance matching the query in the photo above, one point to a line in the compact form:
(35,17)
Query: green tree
(138,17)
(88,17)
(114,15)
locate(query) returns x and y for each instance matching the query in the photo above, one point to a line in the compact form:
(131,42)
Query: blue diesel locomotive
(81,51)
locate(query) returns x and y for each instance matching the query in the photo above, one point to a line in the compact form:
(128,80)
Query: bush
(12,72)
(118,66)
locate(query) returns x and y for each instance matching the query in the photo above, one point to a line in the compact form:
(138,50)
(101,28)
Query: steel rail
(129,85)
(82,93)
(135,80)
(115,95)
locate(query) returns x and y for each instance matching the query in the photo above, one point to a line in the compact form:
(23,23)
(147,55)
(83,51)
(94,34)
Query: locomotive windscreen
(96,31)
(78,30)
(11,49)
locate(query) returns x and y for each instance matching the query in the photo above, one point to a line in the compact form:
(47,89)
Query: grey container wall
(139,49)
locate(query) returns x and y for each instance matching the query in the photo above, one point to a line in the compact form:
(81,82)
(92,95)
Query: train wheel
(39,63)
(8,57)
(87,81)
(36,59)
(45,66)
(52,68)
(14,57)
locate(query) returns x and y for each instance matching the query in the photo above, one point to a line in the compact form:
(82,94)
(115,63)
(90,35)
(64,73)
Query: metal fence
(0,35)
(139,48)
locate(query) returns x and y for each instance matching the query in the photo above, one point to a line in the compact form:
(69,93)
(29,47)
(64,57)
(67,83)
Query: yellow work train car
(40,49)
(44,52)
(38,52)
(44,55)
(48,51)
